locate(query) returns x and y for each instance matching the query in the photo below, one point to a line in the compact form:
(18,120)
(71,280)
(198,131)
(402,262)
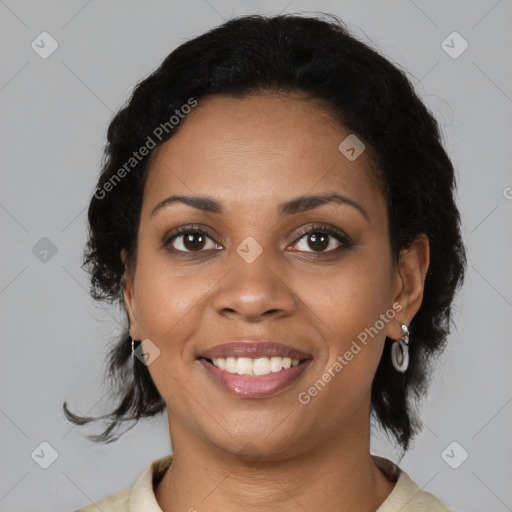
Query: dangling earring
(402,343)
(133,347)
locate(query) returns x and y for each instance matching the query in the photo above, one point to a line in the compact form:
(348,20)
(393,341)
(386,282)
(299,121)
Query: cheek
(350,302)
(167,303)
(166,295)
(347,311)
(169,307)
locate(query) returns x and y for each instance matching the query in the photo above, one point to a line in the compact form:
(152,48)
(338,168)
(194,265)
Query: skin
(230,452)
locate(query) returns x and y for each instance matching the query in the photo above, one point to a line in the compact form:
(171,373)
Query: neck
(336,474)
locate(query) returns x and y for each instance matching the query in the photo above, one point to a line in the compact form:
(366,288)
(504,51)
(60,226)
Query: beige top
(406,496)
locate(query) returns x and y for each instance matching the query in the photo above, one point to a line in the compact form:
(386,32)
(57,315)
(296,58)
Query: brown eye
(318,241)
(322,240)
(191,240)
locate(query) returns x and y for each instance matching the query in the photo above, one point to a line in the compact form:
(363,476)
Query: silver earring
(402,343)
(133,348)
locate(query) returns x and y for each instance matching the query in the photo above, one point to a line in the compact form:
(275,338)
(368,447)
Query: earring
(133,347)
(403,343)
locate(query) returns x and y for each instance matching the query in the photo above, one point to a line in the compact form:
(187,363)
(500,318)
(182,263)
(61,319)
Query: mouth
(254,369)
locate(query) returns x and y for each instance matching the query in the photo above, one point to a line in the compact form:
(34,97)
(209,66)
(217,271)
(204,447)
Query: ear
(128,295)
(409,283)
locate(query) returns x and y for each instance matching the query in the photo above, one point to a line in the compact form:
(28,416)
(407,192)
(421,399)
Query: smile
(275,374)
(254,367)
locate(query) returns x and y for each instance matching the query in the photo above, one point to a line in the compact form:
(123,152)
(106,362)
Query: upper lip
(253,349)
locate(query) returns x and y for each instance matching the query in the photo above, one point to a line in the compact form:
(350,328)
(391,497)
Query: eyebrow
(296,205)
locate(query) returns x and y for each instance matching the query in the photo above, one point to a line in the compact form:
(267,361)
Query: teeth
(276,364)
(244,366)
(254,367)
(261,366)
(230,364)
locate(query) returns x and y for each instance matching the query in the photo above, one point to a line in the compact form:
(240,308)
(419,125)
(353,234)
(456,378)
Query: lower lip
(257,386)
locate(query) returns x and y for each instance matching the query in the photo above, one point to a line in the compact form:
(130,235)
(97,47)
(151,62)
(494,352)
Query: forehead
(264,147)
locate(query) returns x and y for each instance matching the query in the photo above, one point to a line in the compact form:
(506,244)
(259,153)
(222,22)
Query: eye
(322,239)
(190,239)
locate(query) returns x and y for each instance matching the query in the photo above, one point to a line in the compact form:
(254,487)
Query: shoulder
(138,497)
(413,499)
(406,496)
(118,502)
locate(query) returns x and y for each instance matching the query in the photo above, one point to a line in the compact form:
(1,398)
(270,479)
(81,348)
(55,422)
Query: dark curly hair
(319,58)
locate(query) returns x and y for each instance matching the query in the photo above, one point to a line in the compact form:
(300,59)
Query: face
(312,278)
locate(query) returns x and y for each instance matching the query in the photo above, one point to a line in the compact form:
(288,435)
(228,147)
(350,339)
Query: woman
(276,214)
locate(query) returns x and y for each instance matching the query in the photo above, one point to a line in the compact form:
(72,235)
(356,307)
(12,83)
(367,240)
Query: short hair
(370,96)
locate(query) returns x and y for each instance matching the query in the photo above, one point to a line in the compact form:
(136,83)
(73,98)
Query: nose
(255,291)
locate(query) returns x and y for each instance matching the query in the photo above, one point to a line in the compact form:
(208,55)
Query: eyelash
(323,229)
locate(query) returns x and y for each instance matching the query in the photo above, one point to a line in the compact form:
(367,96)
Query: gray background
(54,116)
